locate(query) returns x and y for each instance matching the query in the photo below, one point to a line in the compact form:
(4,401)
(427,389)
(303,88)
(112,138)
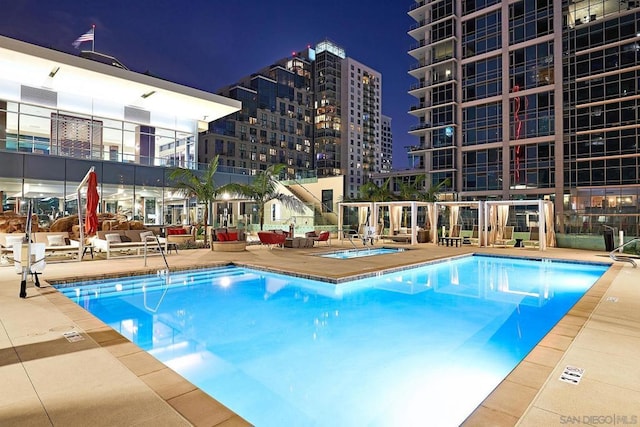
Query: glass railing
(416,5)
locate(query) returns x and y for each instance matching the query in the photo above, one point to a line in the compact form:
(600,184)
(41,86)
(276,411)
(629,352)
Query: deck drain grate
(73,336)
(612,299)
(571,374)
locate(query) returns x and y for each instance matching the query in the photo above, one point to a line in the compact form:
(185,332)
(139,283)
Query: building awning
(38,67)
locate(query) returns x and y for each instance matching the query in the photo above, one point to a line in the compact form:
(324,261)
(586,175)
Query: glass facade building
(532,99)
(61,115)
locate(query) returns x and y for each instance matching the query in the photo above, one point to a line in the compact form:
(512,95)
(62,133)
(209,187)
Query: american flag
(86,37)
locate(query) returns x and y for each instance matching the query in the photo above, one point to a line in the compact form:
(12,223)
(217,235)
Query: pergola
(364,209)
(372,210)
(454,211)
(395,215)
(497,215)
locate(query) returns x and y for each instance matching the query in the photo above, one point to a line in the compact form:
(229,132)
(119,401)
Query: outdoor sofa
(128,242)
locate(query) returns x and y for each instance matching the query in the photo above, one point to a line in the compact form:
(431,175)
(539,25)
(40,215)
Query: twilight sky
(208,44)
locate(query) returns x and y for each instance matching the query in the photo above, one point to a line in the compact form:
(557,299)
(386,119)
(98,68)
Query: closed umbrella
(91,221)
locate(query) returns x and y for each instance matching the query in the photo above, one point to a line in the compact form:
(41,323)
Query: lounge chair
(475,238)
(322,237)
(534,237)
(504,238)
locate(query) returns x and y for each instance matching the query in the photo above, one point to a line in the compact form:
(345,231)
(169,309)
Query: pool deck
(103,379)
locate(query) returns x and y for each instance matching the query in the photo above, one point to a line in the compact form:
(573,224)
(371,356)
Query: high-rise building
(361,144)
(532,99)
(274,125)
(386,145)
(317,110)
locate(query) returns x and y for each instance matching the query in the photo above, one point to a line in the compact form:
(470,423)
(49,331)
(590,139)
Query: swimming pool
(428,343)
(358,253)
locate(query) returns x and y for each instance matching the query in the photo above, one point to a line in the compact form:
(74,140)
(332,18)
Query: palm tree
(199,185)
(431,195)
(371,192)
(411,190)
(263,189)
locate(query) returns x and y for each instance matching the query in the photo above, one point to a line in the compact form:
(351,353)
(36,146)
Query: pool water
(358,253)
(422,346)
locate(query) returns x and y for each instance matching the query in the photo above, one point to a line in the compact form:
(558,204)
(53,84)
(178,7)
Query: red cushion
(222,237)
(232,236)
(171,231)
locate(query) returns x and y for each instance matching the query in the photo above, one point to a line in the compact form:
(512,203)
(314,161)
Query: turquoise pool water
(358,253)
(422,346)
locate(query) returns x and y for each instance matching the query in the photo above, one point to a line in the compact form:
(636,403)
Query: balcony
(417,5)
(420,44)
(417,65)
(418,24)
(420,126)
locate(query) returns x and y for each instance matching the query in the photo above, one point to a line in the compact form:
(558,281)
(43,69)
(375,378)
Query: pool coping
(507,402)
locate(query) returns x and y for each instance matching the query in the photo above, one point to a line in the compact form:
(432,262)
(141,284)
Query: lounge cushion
(113,238)
(12,240)
(55,240)
(144,234)
(176,231)
(232,237)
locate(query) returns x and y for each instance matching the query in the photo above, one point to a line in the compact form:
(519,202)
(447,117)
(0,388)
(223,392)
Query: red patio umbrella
(91,221)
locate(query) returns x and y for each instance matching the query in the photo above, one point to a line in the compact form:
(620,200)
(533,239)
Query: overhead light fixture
(148,94)
(54,71)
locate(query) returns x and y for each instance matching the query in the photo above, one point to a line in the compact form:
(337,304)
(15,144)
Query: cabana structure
(403,219)
(373,214)
(454,217)
(365,213)
(497,217)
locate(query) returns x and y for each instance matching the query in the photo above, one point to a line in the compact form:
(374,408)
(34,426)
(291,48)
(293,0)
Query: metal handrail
(623,258)
(160,249)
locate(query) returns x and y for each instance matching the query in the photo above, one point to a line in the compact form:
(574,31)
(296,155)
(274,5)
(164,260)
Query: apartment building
(531,99)
(386,144)
(274,125)
(317,111)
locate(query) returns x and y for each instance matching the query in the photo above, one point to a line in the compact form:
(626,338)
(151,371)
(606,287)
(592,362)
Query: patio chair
(271,239)
(504,238)
(475,238)
(534,237)
(322,237)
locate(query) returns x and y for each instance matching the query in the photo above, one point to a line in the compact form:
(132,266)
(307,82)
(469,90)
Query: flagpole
(93,42)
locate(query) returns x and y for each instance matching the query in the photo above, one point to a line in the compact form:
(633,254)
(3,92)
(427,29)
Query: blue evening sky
(208,44)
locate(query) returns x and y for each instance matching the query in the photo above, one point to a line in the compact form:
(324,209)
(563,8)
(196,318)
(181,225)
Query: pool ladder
(623,258)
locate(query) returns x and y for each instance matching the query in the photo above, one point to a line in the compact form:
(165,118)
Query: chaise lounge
(504,236)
